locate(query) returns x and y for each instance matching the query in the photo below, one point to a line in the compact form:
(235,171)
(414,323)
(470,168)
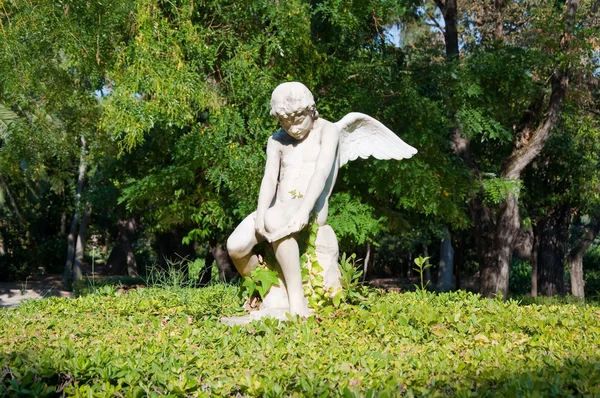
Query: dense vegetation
(132,140)
(139,129)
(156,341)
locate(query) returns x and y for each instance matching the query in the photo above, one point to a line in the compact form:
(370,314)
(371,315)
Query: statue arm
(268,186)
(325,160)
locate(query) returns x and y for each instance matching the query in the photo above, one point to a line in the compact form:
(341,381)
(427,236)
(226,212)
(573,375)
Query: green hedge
(151,342)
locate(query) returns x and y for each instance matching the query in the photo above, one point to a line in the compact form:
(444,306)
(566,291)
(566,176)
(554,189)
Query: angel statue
(303,159)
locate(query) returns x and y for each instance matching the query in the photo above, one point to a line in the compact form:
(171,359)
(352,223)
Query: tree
(557,57)
(198,121)
(52,59)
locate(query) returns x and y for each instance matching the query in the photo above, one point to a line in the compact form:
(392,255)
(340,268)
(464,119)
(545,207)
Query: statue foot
(301,310)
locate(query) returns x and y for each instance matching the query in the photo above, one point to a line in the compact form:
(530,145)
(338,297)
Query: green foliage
(161,341)
(104,286)
(496,190)
(353,292)
(312,279)
(354,220)
(519,280)
(174,275)
(474,124)
(260,280)
(422,264)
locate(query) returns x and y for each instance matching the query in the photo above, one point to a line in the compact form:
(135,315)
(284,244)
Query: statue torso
(298,162)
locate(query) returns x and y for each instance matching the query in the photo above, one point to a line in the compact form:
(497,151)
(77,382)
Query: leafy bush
(154,341)
(87,286)
(592,283)
(519,280)
(21,262)
(591,272)
(52,255)
(16,265)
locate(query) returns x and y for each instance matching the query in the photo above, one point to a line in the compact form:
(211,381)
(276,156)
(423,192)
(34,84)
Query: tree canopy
(171,99)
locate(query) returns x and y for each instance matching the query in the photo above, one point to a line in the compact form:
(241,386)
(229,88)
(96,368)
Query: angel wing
(361,135)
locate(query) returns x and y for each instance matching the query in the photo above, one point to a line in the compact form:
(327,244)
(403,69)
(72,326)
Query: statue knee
(235,247)
(273,221)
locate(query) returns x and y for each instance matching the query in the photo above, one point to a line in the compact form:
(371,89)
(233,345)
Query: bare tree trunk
(67,273)
(63,224)
(552,252)
(216,253)
(575,258)
(122,259)
(458,260)
(498,19)
(524,244)
(446,265)
(427,273)
(449,11)
(366,263)
(80,248)
(534,260)
(495,272)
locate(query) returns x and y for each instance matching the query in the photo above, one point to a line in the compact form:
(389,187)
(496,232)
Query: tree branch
(435,24)
(440,5)
(522,156)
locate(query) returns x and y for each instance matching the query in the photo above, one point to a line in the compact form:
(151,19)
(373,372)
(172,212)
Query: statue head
(292,99)
(293,105)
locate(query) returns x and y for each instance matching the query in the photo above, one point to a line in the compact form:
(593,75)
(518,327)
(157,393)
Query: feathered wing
(362,136)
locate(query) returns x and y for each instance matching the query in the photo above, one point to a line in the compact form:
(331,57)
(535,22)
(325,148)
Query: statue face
(297,126)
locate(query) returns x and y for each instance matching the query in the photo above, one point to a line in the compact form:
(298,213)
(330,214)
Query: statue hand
(259,226)
(298,221)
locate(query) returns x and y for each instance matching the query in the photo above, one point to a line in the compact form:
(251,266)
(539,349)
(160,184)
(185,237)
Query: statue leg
(288,257)
(240,244)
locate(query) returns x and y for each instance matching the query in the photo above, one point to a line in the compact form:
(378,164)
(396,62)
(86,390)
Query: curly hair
(291,99)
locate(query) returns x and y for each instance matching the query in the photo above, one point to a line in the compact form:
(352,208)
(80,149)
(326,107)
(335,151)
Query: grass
(168,341)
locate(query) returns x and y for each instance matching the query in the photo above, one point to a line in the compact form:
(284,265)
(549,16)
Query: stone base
(279,314)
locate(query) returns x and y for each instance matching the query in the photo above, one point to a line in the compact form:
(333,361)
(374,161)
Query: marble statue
(303,159)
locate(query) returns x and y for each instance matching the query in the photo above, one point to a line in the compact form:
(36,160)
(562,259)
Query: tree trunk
(552,252)
(122,258)
(534,260)
(575,258)
(495,266)
(446,265)
(80,248)
(366,263)
(498,19)
(68,271)
(449,11)
(427,273)
(495,234)
(523,244)
(63,224)
(218,254)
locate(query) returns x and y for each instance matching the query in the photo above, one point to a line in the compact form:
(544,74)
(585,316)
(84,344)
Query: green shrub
(52,255)
(86,286)
(592,283)
(152,342)
(519,280)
